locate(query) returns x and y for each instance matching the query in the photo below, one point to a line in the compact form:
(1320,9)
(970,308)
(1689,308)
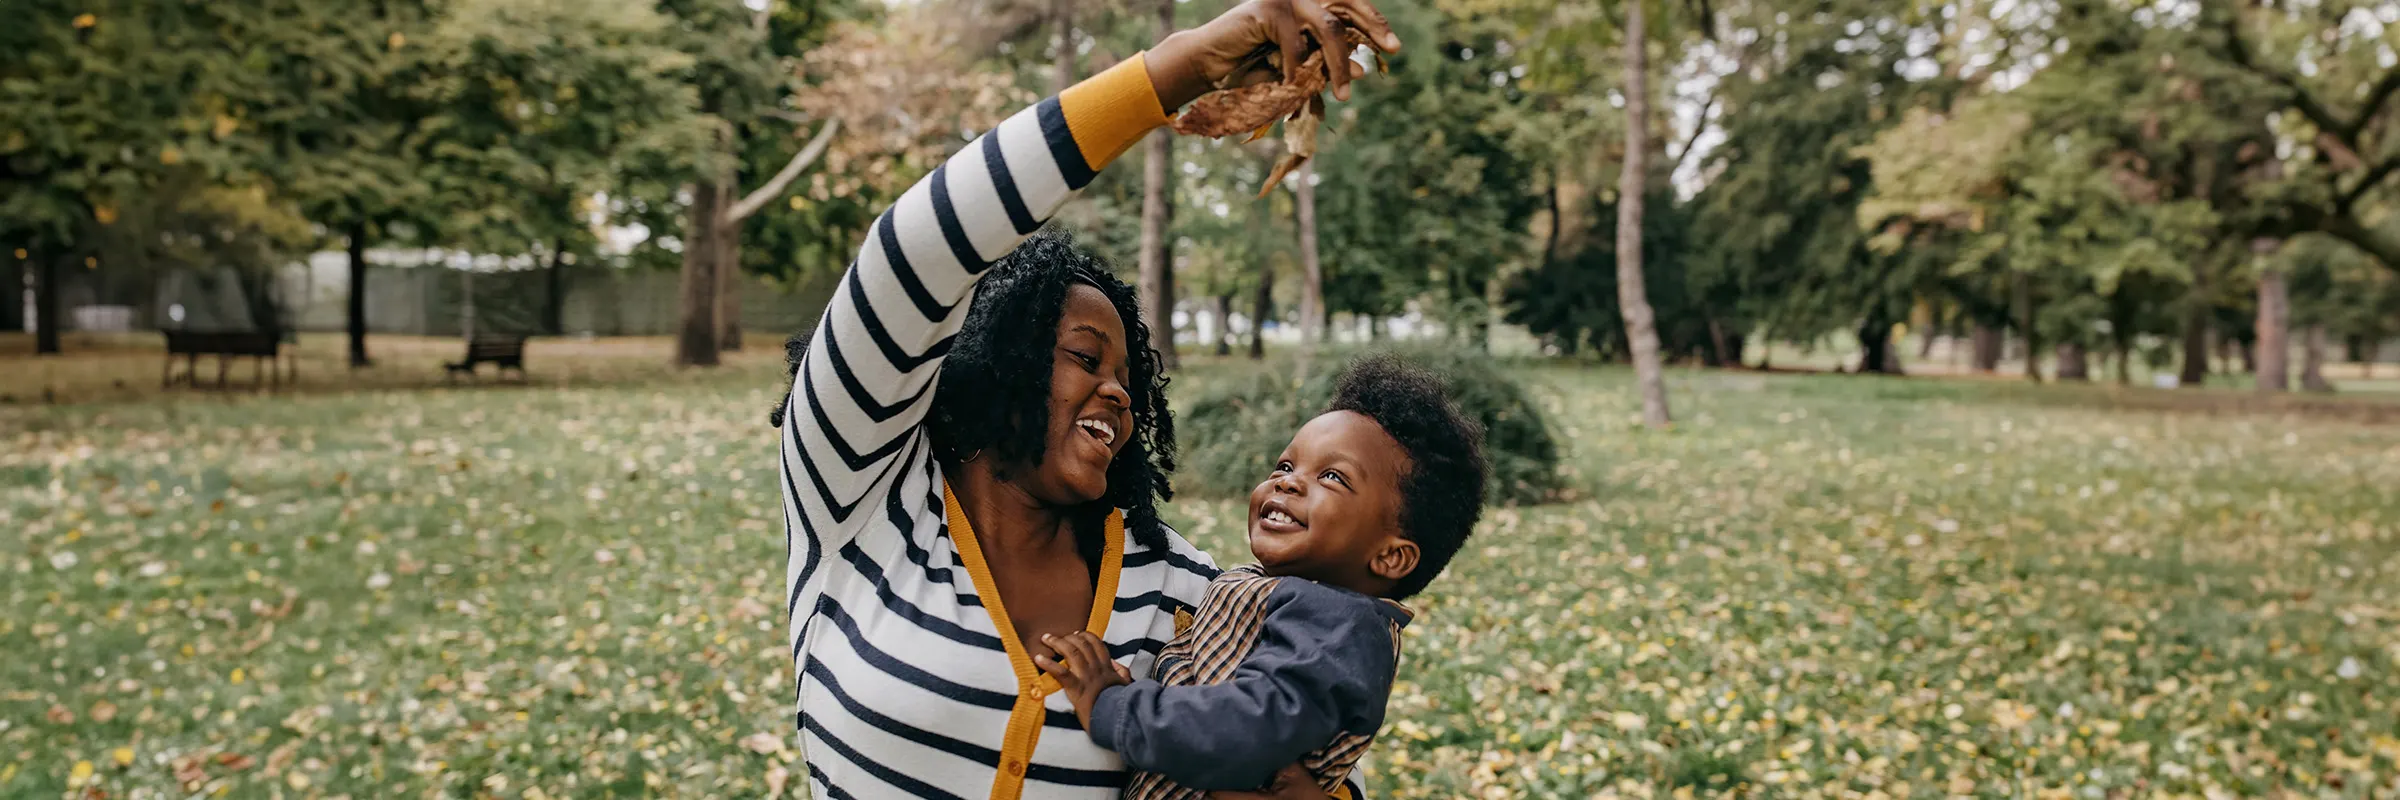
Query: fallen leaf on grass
(763,743)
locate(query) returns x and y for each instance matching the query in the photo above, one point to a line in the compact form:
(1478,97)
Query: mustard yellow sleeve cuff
(1110,111)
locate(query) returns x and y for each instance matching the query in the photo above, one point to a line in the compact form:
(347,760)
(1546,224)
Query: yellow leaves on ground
(1821,587)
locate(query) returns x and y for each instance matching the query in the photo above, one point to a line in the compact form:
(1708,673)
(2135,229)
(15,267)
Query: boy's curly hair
(993,397)
(1441,494)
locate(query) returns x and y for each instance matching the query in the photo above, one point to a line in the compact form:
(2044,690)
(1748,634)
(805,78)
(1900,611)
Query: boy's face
(1330,512)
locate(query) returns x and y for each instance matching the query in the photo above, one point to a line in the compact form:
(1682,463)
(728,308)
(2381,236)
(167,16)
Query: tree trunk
(1258,309)
(729,282)
(46,314)
(1312,274)
(554,302)
(1224,332)
(1158,227)
(2124,360)
(2274,349)
(2072,365)
(696,340)
(1158,246)
(2312,360)
(1158,213)
(12,294)
(1641,329)
(1987,345)
(1062,42)
(1718,355)
(1925,344)
(2195,346)
(358,297)
(1877,355)
(2025,323)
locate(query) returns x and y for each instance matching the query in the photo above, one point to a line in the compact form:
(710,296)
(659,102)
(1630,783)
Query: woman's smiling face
(1091,413)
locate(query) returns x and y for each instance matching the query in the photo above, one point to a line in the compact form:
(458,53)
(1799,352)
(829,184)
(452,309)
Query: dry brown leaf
(1298,101)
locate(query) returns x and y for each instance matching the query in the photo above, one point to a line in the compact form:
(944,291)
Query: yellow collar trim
(1104,590)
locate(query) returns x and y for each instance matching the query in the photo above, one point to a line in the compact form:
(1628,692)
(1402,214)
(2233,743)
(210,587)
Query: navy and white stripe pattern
(905,687)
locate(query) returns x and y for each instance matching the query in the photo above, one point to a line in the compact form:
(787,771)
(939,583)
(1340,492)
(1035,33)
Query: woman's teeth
(1106,433)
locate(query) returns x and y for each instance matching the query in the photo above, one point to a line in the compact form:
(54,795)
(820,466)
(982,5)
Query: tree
(1158,210)
(1312,271)
(1421,183)
(1641,328)
(337,122)
(737,75)
(97,112)
(2324,66)
(538,106)
(1793,243)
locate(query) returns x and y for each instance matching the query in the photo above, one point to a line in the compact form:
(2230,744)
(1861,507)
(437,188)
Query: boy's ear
(1396,560)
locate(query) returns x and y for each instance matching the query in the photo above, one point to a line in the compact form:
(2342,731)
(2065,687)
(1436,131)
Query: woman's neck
(1006,518)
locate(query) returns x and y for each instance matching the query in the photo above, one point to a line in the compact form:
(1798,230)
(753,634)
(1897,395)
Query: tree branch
(2373,104)
(2307,105)
(1698,127)
(774,186)
(2365,184)
(2345,227)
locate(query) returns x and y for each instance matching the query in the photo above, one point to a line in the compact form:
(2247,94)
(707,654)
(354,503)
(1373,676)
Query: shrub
(1242,417)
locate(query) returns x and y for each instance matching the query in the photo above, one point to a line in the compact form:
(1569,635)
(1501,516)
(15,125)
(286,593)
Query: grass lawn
(1813,586)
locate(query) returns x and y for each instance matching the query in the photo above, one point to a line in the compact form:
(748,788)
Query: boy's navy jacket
(1273,671)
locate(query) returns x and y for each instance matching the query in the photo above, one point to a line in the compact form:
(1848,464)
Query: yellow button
(1016,768)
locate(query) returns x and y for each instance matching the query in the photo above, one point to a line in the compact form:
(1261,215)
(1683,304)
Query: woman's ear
(1396,560)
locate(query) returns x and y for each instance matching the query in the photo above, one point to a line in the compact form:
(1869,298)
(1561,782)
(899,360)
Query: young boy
(1291,660)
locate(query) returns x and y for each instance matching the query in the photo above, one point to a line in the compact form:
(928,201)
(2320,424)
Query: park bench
(504,351)
(264,346)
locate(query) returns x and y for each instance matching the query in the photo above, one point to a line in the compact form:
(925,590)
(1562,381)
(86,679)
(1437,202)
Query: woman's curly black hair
(993,399)
(1441,495)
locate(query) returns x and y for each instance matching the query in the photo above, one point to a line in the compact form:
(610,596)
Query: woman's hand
(1082,669)
(1224,52)
(1293,783)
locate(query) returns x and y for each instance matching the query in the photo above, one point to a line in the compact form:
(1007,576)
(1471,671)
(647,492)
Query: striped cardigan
(911,680)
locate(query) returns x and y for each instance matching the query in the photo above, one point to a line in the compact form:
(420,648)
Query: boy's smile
(1332,505)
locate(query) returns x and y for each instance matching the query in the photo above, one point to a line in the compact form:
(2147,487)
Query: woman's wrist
(1174,71)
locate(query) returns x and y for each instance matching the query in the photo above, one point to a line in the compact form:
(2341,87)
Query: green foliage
(539,105)
(1572,300)
(1782,239)
(102,106)
(1231,434)
(1421,190)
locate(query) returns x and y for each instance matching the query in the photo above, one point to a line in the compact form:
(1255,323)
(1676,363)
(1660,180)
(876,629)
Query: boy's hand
(1086,670)
(1190,63)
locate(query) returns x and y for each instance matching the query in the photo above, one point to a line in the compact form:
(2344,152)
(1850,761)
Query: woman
(943,517)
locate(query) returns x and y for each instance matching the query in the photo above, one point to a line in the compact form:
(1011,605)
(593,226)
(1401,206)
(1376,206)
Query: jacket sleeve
(1323,664)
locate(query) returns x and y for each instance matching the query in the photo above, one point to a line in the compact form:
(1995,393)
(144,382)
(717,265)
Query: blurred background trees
(2083,189)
